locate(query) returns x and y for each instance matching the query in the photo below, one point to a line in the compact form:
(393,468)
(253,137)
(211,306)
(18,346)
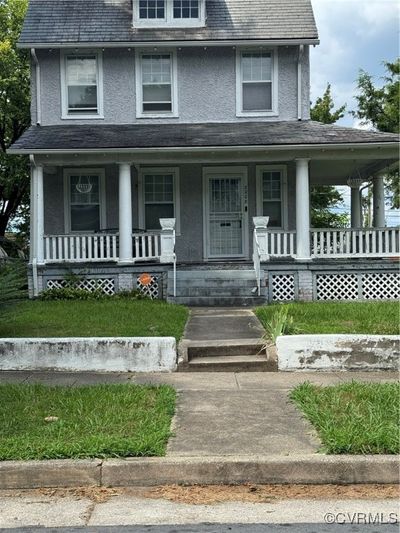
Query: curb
(296,469)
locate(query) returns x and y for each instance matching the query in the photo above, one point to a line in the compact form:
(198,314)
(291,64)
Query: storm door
(226,215)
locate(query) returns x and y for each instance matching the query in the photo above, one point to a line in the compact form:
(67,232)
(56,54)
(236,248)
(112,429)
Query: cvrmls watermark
(361,518)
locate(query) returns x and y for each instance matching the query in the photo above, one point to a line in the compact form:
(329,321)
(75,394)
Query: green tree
(325,198)
(380,108)
(14,110)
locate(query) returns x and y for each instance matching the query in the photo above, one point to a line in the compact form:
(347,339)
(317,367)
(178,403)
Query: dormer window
(168,13)
(151,9)
(186,9)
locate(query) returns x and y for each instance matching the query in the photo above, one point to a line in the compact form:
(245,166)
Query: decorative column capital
(260,222)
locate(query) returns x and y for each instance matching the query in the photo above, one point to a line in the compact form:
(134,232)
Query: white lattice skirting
(106,285)
(151,290)
(353,286)
(283,289)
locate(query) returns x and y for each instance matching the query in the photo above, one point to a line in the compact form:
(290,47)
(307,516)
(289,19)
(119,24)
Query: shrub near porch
(373,318)
(92,318)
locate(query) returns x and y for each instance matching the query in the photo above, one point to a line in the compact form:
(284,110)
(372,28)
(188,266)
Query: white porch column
(303,210)
(355,207)
(38,215)
(379,202)
(32,216)
(125,213)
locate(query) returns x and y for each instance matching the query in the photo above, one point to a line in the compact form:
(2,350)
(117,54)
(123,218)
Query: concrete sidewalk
(219,323)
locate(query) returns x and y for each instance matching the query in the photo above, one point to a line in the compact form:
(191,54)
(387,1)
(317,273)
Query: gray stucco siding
(189,245)
(206,87)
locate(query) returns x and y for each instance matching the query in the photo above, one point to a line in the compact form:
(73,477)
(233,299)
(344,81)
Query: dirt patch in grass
(214,494)
(206,495)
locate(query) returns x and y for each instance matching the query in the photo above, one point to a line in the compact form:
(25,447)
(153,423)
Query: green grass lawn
(339,317)
(92,318)
(99,421)
(353,418)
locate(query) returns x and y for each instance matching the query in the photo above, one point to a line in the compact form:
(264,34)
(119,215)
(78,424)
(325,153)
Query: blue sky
(354,34)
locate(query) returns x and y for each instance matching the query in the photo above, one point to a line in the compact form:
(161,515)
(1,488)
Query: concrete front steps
(216,288)
(226,356)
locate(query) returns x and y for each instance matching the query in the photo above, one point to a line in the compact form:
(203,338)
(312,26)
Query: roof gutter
(166,43)
(300,83)
(38,87)
(222,149)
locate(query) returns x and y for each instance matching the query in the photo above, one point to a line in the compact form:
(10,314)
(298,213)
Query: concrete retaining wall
(136,354)
(338,352)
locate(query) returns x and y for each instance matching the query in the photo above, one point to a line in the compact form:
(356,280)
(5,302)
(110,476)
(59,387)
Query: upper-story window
(151,9)
(81,85)
(156,84)
(256,82)
(186,9)
(168,13)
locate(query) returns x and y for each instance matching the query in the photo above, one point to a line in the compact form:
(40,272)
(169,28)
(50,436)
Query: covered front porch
(209,196)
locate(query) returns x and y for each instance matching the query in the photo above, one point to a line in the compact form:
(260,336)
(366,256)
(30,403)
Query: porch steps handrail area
(93,247)
(349,242)
(257,261)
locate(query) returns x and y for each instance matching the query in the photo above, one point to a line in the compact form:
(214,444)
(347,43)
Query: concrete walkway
(218,323)
(224,414)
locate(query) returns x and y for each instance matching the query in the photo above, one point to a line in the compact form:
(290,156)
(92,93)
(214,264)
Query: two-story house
(175,136)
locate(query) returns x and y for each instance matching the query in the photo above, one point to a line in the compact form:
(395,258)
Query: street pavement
(124,513)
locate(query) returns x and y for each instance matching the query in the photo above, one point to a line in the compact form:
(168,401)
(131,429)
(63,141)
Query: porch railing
(281,243)
(92,247)
(366,242)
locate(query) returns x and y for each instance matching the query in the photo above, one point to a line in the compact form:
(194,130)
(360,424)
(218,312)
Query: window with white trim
(272,195)
(186,9)
(169,13)
(256,83)
(85,193)
(159,196)
(81,85)
(151,9)
(156,85)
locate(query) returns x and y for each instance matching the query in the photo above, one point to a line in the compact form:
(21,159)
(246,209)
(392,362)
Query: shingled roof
(110,21)
(144,136)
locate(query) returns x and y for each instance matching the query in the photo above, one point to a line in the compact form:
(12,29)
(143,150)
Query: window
(84,192)
(186,9)
(169,13)
(158,191)
(81,85)
(152,9)
(256,82)
(156,85)
(272,195)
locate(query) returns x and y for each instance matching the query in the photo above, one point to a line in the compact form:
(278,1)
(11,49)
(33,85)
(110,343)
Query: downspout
(35,281)
(300,83)
(38,88)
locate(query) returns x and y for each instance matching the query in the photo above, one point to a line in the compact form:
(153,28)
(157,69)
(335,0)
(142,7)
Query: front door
(225,213)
